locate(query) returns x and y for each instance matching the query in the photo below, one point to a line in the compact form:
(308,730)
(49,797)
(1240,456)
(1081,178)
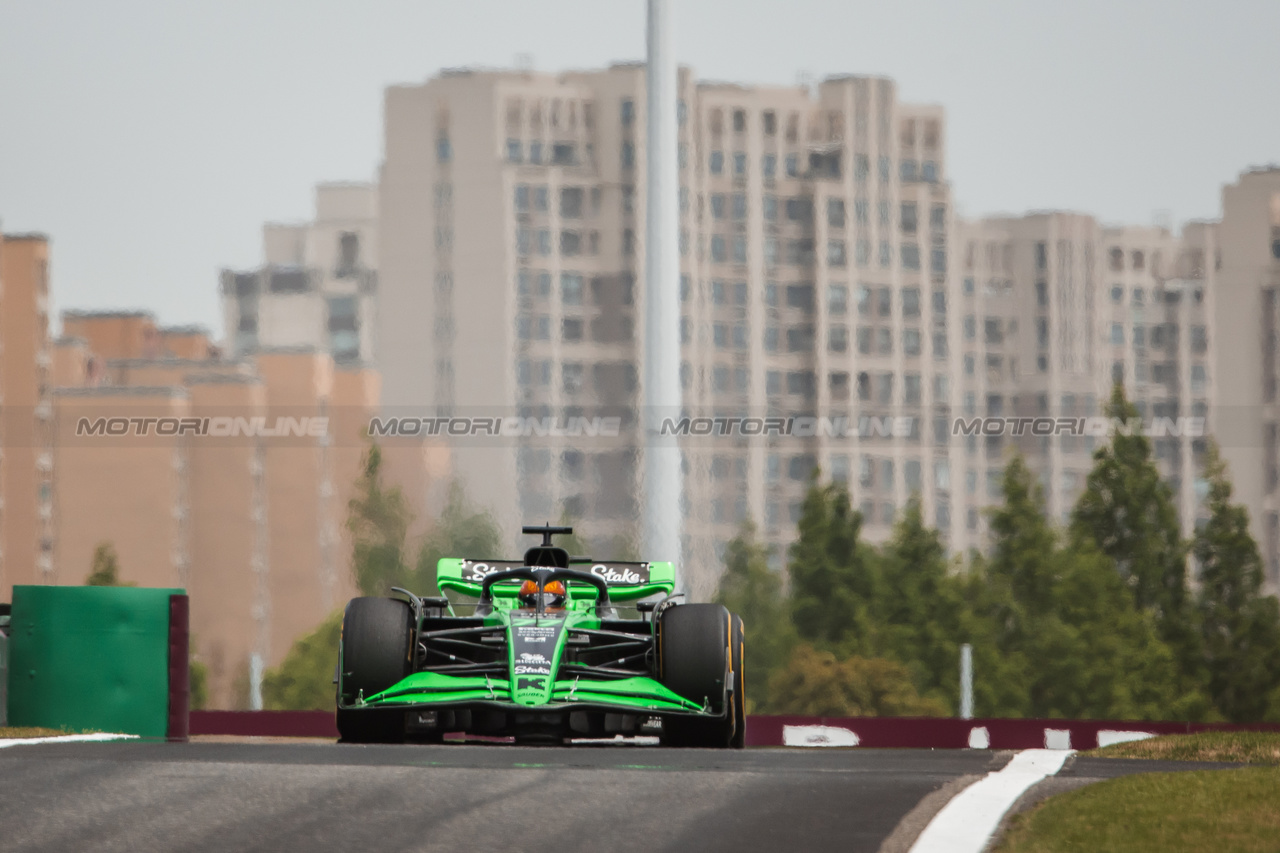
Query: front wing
(434,703)
(432,689)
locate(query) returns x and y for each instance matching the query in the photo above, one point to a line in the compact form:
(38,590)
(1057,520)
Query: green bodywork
(637,694)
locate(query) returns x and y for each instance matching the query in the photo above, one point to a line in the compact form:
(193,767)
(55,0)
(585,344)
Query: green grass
(1223,811)
(29,731)
(1238,747)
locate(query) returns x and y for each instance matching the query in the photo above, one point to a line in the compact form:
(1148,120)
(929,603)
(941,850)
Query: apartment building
(251,524)
(25,363)
(1245,413)
(1054,309)
(318,281)
(815,281)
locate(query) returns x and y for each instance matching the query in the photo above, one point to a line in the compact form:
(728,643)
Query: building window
(938,260)
(993,331)
(739,163)
(564,154)
(911,474)
(910,302)
(719,252)
(717,162)
(838,339)
(800,382)
(911,389)
(800,209)
(444,151)
(838,299)
(571,202)
(348,254)
(514,150)
(908,219)
(769,165)
(570,288)
(861,166)
(884,302)
(628,155)
(910,256)
(800,339)
(793,166)
(627,112)
(835,253)
(835,212)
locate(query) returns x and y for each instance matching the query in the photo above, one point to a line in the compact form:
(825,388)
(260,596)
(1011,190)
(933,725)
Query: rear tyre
(375,653)
(739,697)
(693,653)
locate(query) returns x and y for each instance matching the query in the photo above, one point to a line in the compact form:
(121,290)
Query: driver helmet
(554,595)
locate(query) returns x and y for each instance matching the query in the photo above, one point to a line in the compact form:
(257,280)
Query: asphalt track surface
(134,796)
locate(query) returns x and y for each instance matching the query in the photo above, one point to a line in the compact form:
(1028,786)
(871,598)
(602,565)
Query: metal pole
(662,487)
(255,682)
(966,682)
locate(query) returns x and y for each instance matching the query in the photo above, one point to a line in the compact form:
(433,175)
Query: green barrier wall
(4,671)
(85,657)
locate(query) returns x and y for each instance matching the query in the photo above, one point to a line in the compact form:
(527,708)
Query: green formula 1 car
(544,657)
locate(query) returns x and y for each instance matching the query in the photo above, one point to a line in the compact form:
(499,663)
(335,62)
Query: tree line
(1113,616)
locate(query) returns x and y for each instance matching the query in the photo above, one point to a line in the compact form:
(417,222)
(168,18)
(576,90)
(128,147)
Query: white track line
(19,741)
(966,823)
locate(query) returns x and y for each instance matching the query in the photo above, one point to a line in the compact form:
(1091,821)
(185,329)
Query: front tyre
(694,659)
(739,698)
(375,652)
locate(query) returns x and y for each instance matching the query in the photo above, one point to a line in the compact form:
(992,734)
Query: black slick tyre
(375,653)
(737,650)
(694,660)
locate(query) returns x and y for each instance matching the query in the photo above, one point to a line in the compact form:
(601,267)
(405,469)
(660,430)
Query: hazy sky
(151,139)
